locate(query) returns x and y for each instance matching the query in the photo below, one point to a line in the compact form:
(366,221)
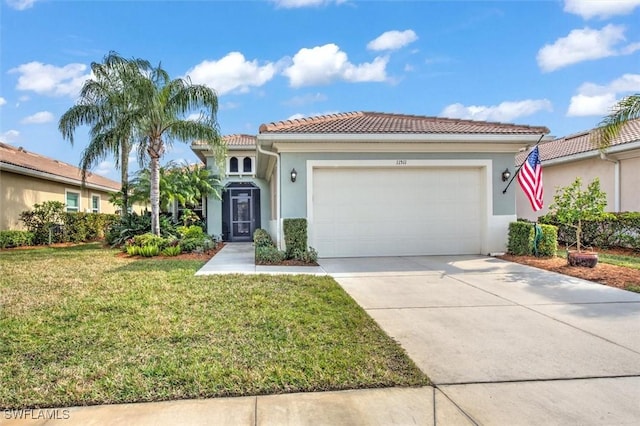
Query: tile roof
(581,143)
(20,157)
(235,140)
(375,122)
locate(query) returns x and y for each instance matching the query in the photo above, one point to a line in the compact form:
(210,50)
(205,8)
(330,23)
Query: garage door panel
(382,211)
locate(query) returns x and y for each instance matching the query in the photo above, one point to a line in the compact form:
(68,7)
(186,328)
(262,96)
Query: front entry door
(242,222)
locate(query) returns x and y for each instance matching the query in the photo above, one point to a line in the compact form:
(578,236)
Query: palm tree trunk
(155,194)
(124,169)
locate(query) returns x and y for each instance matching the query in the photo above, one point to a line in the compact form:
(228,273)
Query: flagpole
(525,160)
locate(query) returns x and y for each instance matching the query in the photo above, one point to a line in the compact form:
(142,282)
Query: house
(563,159)
(27,178)
(373,184)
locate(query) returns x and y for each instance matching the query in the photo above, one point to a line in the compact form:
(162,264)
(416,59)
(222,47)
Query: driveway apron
(507,343)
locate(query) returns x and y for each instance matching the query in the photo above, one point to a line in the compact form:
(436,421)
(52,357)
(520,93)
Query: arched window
(233,165)
(246,165)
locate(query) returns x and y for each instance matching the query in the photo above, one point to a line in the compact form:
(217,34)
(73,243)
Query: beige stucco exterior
(19,193)
(561,173)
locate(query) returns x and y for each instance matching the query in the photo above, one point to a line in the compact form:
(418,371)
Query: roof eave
(52,177)
(616,149)
(399,137)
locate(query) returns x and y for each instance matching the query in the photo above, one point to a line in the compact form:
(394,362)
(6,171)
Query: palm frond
(609,128)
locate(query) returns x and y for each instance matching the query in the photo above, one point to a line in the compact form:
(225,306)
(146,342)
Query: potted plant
(572,206)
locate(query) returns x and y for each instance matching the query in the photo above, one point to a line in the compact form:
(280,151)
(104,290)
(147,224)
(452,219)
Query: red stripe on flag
(530,180)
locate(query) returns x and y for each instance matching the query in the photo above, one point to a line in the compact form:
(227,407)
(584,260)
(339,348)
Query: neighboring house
(373,184)
(566,158)
(27,178)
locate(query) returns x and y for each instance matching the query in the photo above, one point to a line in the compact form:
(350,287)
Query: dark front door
(240,211)
(241,217)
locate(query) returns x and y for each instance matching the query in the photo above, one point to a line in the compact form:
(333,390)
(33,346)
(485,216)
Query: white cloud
(2,101)
(38,118)
(392,40)
(594,99)
(294,4)
(104,168)
(588,9)
(51,80)
(584,45)
(232,73)
(307,99)
(20,4)
(324,64)
(505,111)
(10,136)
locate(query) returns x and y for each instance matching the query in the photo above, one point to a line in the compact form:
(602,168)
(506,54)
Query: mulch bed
(205,255)
(611,275)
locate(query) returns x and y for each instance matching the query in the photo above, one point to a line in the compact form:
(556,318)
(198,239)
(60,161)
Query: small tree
(572,205)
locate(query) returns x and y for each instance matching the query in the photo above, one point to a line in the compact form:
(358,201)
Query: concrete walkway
(504,344)
(239,258)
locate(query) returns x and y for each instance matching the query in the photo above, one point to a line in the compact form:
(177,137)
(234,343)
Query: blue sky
(560,63)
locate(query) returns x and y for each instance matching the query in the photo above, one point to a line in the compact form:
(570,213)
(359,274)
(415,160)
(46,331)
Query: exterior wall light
(506,175)
(294,175)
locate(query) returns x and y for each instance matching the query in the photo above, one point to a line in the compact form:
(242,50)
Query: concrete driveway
(506,343)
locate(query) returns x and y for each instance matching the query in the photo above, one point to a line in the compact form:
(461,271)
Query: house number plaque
(401,162)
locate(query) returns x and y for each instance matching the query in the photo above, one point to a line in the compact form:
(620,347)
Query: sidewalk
(239,258)
(392,406)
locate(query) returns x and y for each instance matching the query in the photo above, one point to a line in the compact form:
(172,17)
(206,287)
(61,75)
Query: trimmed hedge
(261,238)
(618,230)
(295,236)
(9,239)
(522,235)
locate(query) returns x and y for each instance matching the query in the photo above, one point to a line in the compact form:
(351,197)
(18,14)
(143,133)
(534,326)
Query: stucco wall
(563,174)
(294,196)
(19,193)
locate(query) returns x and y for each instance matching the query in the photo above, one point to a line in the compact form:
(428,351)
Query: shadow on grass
(159,265)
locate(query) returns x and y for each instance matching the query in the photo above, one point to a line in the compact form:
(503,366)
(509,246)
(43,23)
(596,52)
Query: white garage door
(392,212)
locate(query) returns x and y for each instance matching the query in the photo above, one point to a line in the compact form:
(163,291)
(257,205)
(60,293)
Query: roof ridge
(448,119)
(309,120)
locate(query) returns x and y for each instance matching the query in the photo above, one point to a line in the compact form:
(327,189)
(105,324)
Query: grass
(81,326)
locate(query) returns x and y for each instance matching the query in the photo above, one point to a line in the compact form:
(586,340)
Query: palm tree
(625,110)
(165,103)
(107,105)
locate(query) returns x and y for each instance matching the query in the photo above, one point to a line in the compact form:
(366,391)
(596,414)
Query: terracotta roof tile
(19,157)
(235,140)
(375,122)
(579,143)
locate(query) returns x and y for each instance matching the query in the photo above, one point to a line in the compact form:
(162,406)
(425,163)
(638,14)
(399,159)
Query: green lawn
(81,326)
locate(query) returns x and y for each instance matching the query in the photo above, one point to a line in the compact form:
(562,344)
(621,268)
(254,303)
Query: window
(246,165)
(95,204)
(233,165)
(72,201)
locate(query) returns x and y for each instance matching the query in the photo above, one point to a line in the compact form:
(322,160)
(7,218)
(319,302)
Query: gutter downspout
(616,181)
(278,188)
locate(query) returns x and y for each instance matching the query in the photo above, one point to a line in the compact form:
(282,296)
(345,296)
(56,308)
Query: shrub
(520,241)
(149,251)
(295,235)
(200,244)
(122,230)
(548,244)
(522,237)
(171,251)
(45,222)
(268,255)
(15,238)
(192,231)
(149,239)
(132,250)
(261,238)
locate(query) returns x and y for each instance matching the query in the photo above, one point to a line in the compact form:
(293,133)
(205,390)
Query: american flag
(530,179)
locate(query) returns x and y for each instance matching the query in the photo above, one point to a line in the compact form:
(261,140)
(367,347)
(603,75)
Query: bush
(617,230)
(122,230)
(45,222)
(522,236)
(149,251)
(295,235)
(204,243)
(192,231)
(268,255)
(261,238)
(171,251)
(148,239)
(520,241)
(10,239)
